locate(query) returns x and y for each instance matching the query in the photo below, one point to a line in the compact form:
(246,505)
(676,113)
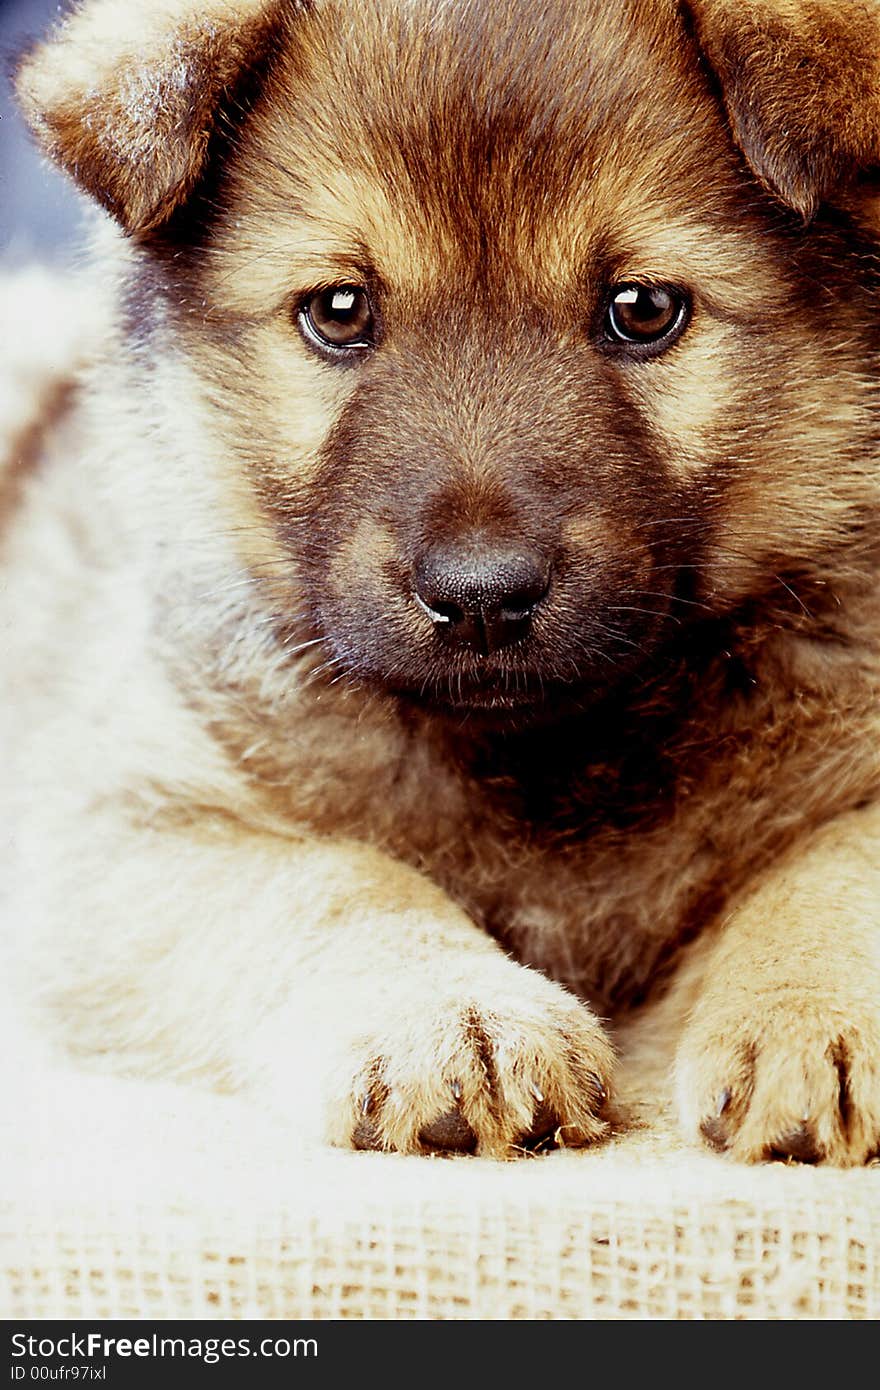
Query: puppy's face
(521,365)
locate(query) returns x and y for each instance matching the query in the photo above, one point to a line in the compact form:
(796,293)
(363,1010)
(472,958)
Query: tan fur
(738,1077)
(802,86)
(160,77)
(240,853)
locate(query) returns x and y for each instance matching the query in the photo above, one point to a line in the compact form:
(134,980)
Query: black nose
(480,593)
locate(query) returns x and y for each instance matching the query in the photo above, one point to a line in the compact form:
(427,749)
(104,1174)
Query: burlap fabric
(137,1200)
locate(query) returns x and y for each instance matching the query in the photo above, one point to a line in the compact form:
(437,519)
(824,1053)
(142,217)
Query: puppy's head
(511,319)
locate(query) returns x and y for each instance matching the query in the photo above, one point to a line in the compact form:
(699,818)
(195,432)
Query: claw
(599,1089)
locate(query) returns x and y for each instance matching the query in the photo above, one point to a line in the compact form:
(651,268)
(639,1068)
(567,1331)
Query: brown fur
(281,782)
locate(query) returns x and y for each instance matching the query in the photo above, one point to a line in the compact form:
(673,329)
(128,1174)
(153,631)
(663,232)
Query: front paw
(489,1070)
(788,1075)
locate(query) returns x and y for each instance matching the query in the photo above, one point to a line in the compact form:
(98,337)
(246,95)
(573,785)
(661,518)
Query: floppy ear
(801,83)
(125,96)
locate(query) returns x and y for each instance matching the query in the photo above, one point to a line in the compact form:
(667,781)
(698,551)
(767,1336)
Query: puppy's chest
(595,849)
(596,853)
(578,858)
(560,853)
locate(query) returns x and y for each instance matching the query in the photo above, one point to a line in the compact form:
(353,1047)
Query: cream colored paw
(487,1071)
(791,1075)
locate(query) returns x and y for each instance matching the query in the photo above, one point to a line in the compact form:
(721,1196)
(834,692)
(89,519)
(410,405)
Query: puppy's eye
(338,318)
(649,316)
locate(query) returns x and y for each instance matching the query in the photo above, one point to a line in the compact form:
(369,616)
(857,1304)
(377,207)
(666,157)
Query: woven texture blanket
(135,1200)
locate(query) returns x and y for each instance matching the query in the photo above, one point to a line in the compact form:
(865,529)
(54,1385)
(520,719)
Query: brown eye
(338,317)
(645,315)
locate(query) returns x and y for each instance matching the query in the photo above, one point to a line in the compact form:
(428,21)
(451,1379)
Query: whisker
(797,598)
(650,612)
(301,646)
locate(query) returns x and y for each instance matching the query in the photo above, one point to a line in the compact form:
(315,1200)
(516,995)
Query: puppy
(452,589)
